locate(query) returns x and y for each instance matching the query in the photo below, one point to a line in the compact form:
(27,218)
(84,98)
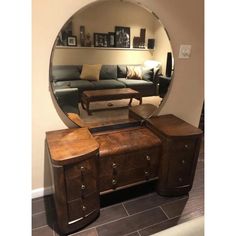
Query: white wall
(184,22)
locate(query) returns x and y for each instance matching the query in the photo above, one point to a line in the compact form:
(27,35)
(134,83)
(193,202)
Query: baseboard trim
(41,192)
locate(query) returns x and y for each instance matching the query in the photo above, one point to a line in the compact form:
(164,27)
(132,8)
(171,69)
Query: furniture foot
(130,101)
(140,101)
(87,108)
(82,104)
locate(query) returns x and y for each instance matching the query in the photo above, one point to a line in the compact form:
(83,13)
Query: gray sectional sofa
(65,80)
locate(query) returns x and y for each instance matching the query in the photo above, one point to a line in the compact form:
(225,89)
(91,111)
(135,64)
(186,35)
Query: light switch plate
(185,51)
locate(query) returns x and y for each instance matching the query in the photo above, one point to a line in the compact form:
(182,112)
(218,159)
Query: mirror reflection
(108,57)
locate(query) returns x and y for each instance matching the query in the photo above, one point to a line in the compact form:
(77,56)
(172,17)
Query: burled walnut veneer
(85,165)
(181,144)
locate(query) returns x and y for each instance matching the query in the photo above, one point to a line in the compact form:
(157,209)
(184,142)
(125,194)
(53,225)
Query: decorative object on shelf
(111,39)
(122,37)
(151,43)
(88,42)
(71,41)
(100,40)
(136,42)
(142,38)
(82,36)
(59,40)
(64,34)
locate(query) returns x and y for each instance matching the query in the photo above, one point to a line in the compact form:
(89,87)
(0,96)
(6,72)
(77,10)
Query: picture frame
(111,39)
(100,40)
(122,37)
(72,41)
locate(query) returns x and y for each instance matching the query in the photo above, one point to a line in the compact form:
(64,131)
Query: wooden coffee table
(108,94)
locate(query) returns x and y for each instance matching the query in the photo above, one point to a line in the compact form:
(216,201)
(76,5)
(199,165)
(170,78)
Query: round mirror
(108,57)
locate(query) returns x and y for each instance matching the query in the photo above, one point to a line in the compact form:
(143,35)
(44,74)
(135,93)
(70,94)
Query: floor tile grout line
(170,218)
(130,233)
(181,198)
(46,211)
(96,231)
(140,197)
(165,213)
(84,230)
(176,200)
(34,214)
(112,221)
(125,209)
(163,221)
(43,226)
(107,207)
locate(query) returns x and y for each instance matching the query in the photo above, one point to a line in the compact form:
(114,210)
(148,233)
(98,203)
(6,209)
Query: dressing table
(86,163)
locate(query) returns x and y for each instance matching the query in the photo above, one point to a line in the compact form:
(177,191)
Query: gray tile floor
(132,212)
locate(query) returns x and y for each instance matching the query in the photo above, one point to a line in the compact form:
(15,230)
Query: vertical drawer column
(181,144)
(74,160)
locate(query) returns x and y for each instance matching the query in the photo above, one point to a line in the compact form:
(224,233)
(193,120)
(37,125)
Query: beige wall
(184,22)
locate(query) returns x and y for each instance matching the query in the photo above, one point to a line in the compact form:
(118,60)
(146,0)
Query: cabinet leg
(130,101)
(87,108)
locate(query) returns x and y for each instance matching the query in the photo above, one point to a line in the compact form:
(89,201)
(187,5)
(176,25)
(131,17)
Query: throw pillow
(90,72)
(134,72)
(147,73)
(121,71)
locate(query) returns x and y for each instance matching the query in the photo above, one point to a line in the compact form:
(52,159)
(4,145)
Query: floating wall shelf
(104,48)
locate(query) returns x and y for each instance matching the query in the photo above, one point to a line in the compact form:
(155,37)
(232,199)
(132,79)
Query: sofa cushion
(108,72)
(133,83)
(62,73)
(108,84)
(82,85)
(90,72)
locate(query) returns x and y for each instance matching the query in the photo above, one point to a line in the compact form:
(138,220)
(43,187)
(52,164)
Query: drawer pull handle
(82,168)
(114,182)
(146,173)
(84,208)
(82,186)
(183,161)
(186,146)
(114,165)
(148,158)
(180,179)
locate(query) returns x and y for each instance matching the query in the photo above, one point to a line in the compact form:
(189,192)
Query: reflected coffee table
(108,94)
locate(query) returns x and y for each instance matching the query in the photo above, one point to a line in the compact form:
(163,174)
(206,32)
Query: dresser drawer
(124,162)
(81,179)
(182,145)
(81,208)
(180,169)
(126,177)
(80,187)
(87,167)
(135,175)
